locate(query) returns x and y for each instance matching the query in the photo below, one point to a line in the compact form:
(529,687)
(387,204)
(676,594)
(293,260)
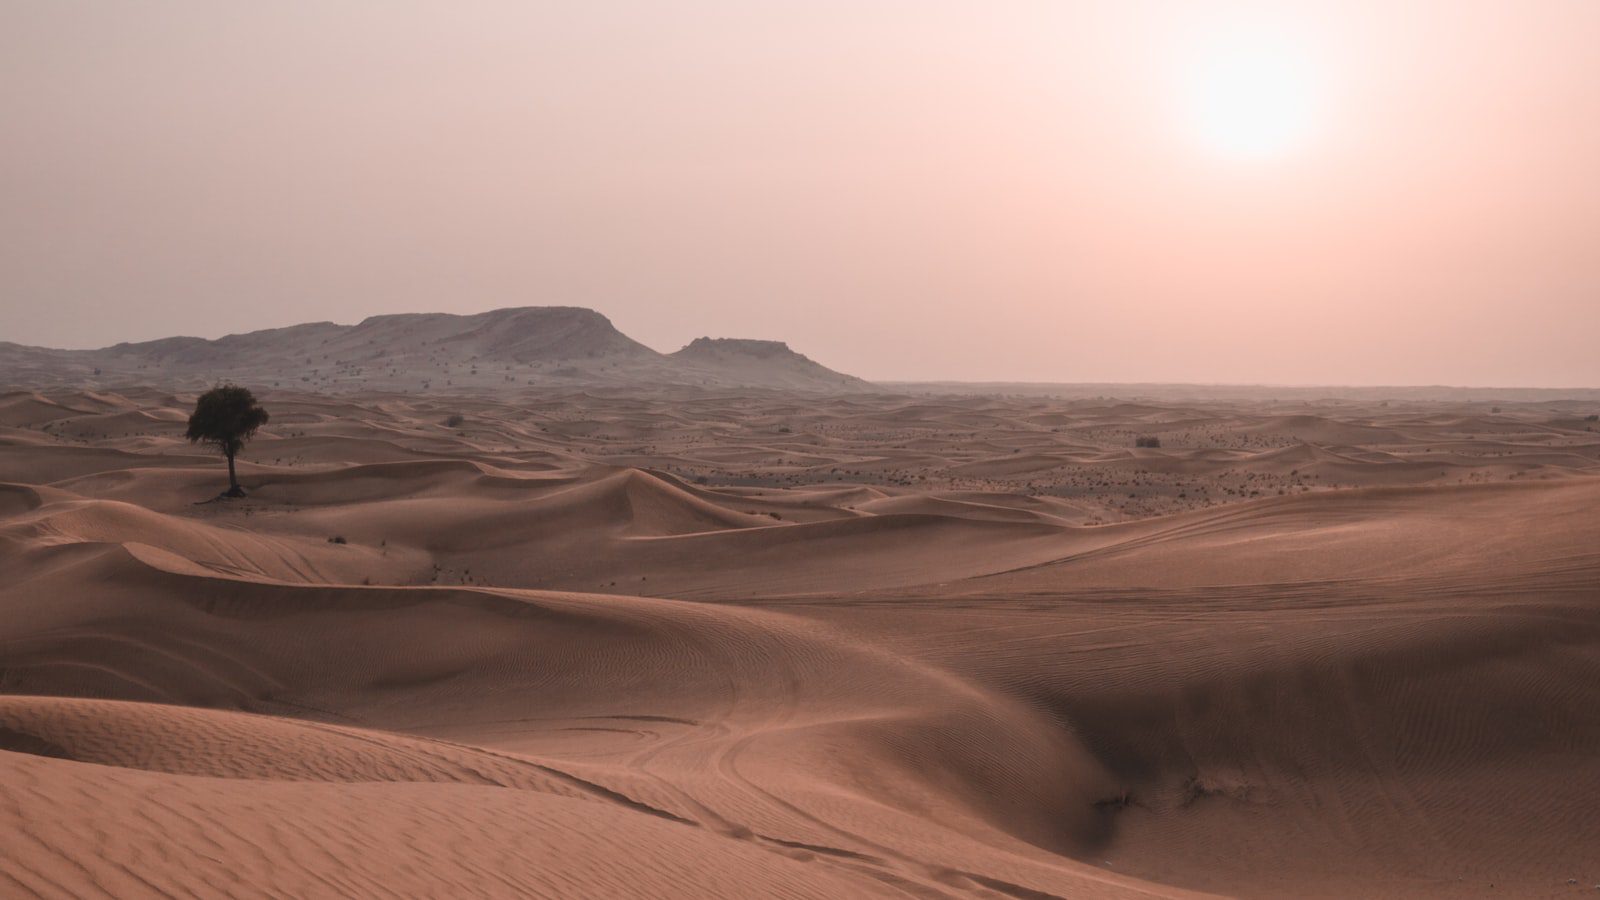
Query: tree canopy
(226,416)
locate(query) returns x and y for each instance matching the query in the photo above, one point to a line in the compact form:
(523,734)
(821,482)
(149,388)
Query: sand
(745,643)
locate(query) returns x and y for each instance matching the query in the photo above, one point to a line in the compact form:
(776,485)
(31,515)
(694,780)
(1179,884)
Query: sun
(1251,94)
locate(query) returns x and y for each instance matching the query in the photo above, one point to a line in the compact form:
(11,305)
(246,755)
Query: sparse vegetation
(456,420)
(1147,441)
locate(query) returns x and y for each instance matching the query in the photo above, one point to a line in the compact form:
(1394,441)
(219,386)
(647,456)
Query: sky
(1397,192)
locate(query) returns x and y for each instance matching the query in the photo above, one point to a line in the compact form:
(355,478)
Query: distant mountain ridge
(558,345)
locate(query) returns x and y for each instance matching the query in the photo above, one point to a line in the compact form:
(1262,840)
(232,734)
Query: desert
(728,450)
(747,641)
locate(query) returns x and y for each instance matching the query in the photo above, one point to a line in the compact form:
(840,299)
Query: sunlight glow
(1251,94)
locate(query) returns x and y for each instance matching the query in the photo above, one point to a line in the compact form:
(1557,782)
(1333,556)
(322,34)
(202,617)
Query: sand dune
(731,644)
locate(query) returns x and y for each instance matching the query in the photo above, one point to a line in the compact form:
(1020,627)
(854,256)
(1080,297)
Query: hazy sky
(1388,192)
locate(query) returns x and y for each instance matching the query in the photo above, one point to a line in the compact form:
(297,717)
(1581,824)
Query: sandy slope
(655,646)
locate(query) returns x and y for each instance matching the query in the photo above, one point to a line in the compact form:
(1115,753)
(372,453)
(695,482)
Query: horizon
(935,381)
(1040,193)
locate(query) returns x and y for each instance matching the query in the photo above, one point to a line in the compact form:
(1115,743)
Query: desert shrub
(455,421)
(1592,418)
(337,539)
(1147,441)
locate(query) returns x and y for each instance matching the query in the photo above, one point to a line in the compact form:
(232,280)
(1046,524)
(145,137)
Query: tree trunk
(233,480)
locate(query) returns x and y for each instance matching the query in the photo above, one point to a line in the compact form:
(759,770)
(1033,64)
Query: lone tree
(227,416)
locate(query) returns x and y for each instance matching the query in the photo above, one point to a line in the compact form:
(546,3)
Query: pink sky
(928,189)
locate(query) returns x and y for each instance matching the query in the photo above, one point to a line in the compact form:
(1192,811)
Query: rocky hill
(770,362)
(551,345)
